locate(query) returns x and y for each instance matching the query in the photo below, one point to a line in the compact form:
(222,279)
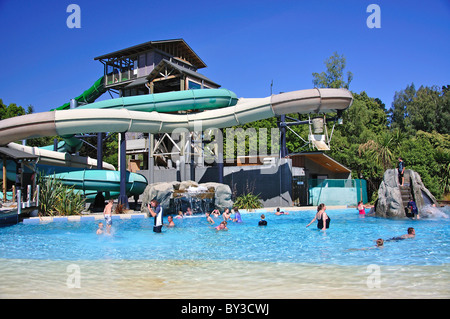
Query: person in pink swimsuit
(361,208)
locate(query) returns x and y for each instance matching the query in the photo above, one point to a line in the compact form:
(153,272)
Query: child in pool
(222,226)
(208,218)
(100,228)
(237,216)
(361,208)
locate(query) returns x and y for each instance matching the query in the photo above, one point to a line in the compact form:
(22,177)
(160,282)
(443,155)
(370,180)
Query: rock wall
(390,202)
(163,193)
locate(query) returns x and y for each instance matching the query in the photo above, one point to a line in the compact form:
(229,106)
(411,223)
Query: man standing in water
(156,211)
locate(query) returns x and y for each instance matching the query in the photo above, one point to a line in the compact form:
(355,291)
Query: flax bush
(248,201)
(57,199)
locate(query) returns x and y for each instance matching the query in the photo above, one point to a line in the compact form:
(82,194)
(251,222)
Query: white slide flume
(120,119)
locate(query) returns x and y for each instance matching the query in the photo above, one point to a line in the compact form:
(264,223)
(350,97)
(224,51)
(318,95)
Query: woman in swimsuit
(321,216)
(361,208)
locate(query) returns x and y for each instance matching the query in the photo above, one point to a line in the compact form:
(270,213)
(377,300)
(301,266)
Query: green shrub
(55,198)
(248,201)
(70,202)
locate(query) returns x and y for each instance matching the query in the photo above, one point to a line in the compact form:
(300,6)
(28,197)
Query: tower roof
(176,47)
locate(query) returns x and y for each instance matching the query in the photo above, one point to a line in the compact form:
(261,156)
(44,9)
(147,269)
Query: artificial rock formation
(393,198)
(166,192)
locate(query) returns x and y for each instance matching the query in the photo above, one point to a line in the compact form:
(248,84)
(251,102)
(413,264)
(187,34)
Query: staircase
(405,191)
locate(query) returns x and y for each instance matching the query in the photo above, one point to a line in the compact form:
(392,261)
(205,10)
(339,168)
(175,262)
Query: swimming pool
(284,239)
(192,260)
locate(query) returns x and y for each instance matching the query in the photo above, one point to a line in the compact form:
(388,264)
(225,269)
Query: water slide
(160,113)
(92,181)
(88,96)
(144,113)
(70,143)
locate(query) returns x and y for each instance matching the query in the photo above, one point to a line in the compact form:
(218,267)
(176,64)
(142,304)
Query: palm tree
(380,149)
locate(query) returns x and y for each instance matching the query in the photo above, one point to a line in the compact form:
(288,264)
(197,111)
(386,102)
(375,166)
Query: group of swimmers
(155,210)
(323,222)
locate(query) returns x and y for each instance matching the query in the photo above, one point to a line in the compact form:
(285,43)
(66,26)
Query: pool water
(192,260)
(284,239)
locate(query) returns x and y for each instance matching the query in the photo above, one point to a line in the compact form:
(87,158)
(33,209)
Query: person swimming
(411,234)
(278,212)
(100,229)
(208,218)
(222,226)
(226,214)
(237,216)
(263,221)
(170,220)
(379,244)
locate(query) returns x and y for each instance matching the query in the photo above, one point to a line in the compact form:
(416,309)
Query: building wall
(313,169)
(273,184)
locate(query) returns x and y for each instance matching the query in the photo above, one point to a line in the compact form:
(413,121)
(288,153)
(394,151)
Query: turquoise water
(285,239)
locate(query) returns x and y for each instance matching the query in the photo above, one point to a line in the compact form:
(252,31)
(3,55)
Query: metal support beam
(151,159)
(282,126)
(5,181)
(99,150)
(123,199)
(220,156)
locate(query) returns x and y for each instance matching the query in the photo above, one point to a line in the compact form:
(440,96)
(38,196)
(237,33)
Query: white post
(19,201)
(37,194)
(28,195)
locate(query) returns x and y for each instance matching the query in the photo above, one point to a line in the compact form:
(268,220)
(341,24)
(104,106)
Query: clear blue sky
(246,44)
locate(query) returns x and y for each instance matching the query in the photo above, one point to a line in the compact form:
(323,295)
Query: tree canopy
(415,127)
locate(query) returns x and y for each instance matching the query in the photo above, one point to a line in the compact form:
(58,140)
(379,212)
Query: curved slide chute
(92,181)
(88,96)
(119,118)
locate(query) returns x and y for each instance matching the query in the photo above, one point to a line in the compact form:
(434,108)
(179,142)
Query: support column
(99,201)
(123,199)
(282,126)
(220,155)
(191,157)
(183,158)
(151,159)
(99,150)
(4,179)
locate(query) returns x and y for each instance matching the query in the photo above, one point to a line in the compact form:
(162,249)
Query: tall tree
(333,77)
(11,110)
(426,109)
(399,116)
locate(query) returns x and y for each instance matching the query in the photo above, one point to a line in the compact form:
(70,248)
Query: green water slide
(89,182)
(199,100)
(88,96)
(70,143)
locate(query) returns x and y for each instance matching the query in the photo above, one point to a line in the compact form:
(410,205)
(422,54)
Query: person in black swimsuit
(401,171)
(263,221)
(320,217)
